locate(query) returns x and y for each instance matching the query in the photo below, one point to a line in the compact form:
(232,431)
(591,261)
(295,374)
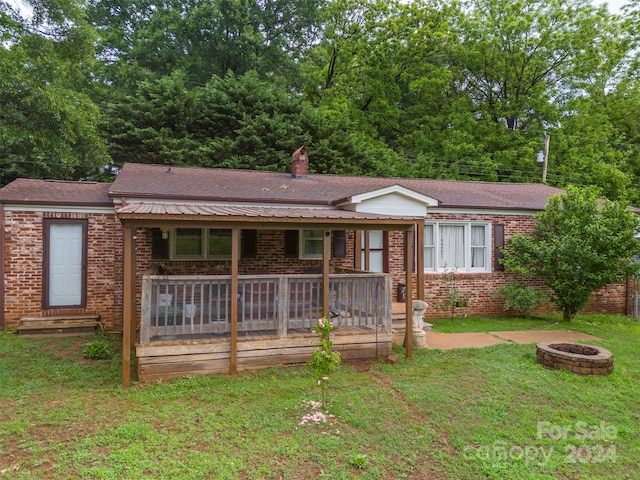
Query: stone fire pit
(575,357)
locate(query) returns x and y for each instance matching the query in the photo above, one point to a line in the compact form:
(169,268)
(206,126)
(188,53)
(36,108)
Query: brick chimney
(299,163)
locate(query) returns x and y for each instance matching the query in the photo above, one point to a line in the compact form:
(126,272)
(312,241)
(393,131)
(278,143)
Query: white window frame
(435,247)
(302,244)
(204,250)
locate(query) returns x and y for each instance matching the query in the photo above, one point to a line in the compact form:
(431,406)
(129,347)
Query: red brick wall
(478,288)
(24,253)
(269,260)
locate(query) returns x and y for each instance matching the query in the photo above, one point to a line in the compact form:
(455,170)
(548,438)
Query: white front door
(66,269)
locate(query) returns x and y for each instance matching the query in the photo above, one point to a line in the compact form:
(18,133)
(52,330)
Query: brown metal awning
(149,214)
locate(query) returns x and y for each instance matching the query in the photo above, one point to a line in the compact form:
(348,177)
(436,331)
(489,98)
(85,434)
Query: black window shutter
(339,244)
(249,244)
(159,245)
(291,243)
(498,243)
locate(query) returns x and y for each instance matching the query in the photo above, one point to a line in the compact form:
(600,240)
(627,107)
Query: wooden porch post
(128,303)
(367,256)
(357,239)
(420,261)
(408,266)
(326,256)
(235,254)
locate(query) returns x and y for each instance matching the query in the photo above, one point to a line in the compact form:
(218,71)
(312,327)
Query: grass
(489,413)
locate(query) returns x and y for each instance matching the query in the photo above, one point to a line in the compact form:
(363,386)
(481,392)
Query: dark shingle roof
(228,185)
(27,191)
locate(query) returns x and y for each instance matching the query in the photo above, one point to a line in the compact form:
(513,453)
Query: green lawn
(462,414)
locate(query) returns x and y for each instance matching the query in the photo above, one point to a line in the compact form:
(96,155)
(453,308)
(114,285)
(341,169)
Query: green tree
(579,245)
(594,143)
(48,124)
(147,39)
(518,64)
(238,121)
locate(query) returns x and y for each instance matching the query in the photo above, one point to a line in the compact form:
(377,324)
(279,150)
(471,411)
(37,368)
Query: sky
(614,5)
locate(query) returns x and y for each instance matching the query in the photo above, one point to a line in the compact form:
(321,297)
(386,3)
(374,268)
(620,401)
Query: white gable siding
(392,204)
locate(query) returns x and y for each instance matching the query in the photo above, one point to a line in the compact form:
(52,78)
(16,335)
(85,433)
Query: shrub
(359,460)
(454,297)
(518,297)
(97,350)
(324,359)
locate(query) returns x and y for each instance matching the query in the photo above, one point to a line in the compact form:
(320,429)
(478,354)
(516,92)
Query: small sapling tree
(324,360)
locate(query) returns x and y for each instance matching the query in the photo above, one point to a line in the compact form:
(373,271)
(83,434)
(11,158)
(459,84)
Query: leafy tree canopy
(455,90)
(235,122)
(48,124)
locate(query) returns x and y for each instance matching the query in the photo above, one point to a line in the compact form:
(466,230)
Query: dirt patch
(362,364)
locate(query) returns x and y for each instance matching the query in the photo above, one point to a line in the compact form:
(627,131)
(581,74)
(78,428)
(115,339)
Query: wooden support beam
(420,261)
(367,255)
(128,303)
(357,243)
(408,260)
(326,257)
(235,255)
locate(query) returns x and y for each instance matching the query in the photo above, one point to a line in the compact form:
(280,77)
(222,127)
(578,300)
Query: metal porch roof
(160,212)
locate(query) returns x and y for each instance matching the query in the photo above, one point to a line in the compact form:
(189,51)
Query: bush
(454,297)
(97,350)
(518,297)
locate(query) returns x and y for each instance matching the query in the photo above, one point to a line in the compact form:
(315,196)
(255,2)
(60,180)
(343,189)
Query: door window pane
(376,250)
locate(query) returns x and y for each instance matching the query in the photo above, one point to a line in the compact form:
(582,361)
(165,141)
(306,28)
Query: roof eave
(150,219)
(486,207)
(274,201)
(56,203)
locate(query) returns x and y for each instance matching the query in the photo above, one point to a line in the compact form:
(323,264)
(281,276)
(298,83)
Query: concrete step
(400,324)
(398,318)
(58,325)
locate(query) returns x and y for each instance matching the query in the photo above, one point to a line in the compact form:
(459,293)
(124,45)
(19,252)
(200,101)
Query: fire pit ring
(575,357)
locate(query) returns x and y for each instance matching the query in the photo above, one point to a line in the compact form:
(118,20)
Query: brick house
(215,259)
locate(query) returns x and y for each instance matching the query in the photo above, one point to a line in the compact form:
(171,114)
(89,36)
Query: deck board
(257,350)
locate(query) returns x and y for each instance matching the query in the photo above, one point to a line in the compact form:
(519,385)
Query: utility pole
(545,157)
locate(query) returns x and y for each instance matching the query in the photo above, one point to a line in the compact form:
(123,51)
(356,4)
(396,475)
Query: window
(188,243)
(429,247)
(375,249)
(456,246)
(201,244)
(219,244)
(311,244)
(478,246)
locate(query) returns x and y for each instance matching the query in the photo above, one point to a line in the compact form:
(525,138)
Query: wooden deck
(186,321)
(165,360)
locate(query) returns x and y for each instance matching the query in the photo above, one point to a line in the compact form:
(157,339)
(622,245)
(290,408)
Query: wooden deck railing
(194,307)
